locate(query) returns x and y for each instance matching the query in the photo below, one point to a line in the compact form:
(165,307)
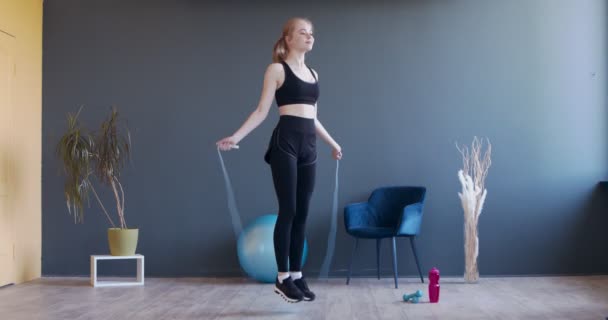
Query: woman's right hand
(227,143)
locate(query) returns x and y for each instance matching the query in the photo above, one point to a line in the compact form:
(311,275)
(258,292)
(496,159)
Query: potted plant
(101,155)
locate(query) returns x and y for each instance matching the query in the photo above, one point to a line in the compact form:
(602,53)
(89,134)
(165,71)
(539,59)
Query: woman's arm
(325,135)
(271,79)
(337,150)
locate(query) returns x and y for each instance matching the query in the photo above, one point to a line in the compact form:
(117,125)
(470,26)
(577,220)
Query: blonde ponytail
(280,51)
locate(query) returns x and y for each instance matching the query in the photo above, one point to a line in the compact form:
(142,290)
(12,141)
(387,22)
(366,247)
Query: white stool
(140,271)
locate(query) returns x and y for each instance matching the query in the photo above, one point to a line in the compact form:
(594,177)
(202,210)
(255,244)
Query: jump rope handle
(234,146)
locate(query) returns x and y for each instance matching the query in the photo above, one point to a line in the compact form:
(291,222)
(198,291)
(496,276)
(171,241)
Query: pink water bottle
(434,285)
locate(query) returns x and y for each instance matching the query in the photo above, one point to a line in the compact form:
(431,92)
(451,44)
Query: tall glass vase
(471,250)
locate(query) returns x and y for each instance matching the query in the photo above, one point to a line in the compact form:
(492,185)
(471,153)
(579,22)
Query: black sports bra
(295,90)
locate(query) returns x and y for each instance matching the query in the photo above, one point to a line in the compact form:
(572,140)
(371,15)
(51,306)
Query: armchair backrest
(388,203)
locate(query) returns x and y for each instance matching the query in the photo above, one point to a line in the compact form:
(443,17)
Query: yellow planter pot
(123,242)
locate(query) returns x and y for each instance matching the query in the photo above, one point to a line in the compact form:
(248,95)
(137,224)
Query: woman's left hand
(337,153)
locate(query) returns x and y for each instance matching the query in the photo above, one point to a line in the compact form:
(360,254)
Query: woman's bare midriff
(299,110)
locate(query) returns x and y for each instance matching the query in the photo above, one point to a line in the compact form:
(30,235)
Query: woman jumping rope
(292,151)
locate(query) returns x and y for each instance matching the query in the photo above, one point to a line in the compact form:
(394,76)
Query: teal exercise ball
(255,248)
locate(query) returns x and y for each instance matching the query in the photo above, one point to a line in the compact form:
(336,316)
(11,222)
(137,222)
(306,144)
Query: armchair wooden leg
(352,257)
(395,261)
(378,256)
(413,243)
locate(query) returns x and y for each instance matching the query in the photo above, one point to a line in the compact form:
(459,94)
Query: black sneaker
(301,284)
(288,290)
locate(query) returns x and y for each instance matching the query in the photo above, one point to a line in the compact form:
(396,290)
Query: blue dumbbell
(413,298)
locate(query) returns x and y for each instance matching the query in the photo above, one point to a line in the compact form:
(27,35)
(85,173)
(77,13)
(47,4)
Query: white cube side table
(140,271)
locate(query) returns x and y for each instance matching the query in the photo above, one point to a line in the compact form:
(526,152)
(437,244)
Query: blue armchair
(390,212)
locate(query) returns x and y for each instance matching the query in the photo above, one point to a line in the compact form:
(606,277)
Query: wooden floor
(365,298)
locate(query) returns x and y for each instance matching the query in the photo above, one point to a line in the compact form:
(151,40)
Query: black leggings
(292,155)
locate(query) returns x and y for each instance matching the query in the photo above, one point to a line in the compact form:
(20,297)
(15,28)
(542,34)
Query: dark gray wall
(402,81)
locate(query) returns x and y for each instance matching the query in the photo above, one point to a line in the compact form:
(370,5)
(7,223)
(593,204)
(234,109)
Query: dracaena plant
(101,155)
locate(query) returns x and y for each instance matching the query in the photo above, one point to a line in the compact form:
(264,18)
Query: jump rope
(236,217)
